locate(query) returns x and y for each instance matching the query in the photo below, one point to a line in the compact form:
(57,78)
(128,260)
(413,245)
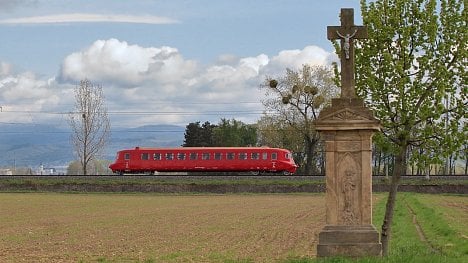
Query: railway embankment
(213,184)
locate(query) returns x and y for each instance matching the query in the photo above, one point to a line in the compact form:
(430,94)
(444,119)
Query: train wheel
(286,173)
(254,172)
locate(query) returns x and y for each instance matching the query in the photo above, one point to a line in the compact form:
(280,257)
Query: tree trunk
(399,169)
(466,164)
(374,156)
(85,160)
(310,148)
(85,167)
(311,164)
(428,173)
(379,167)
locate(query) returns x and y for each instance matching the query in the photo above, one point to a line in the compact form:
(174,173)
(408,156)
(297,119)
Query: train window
(264,156)
(230,156)
(181,156)
(127,156)
(169,156)
(218,156)
(157,156)
(145,156)
(205,156)
(193,156)
(288,156)
(255,156)
(274,156)
(242,156)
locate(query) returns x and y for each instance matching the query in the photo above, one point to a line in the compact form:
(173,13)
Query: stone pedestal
(351,241)
(347,128)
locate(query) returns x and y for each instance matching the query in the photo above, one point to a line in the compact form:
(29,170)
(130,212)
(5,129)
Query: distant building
(60,170)
(6,172)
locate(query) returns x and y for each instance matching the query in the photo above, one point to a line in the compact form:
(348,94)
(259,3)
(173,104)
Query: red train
(204,159)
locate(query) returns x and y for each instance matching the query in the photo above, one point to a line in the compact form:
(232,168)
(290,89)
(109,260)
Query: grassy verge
(423,181)
(109,180)
(140,181)
(444,221)
(443,236)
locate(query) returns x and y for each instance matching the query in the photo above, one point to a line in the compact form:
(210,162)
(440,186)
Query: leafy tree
(191,135)
(274,132)
(411,71)
(226,133)
(197,135)
(296,98)
(207,134)
(89,123)
(232,133)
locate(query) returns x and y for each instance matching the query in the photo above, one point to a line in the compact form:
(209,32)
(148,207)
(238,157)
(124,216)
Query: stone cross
(347,32)
(346,128)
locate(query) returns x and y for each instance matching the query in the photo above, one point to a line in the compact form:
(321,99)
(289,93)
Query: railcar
(204,159)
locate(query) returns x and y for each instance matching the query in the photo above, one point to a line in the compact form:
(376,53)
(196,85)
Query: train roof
(203,148)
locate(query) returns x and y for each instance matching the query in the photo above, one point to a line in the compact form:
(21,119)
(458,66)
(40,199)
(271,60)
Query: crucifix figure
(347,32)
(346,38)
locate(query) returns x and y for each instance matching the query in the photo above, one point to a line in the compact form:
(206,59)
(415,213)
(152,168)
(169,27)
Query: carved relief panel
(348,189)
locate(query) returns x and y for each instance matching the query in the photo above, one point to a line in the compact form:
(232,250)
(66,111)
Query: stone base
(349,241)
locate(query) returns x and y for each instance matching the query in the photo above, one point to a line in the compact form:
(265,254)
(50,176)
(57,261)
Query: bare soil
(53,227)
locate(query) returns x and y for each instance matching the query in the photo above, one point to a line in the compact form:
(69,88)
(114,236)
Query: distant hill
(149,136)
(35,144)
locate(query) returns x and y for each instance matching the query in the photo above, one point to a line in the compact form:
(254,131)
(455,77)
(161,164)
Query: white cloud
(109,59)
(295,58)
(24,97)
(90,18)
(150,85)
(115,61)
(161,80)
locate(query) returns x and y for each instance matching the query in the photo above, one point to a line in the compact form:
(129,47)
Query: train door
(274,158)
(127,160)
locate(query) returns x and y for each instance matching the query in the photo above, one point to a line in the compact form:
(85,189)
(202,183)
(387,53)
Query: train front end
(287,162)
(119,166)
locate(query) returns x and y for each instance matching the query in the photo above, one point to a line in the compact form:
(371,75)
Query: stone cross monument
(347,127)
(347,32)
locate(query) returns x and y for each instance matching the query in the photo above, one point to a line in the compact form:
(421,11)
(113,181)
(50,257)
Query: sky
(159,62)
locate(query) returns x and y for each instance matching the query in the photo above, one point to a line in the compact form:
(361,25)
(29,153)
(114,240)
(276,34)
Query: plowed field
(193,228)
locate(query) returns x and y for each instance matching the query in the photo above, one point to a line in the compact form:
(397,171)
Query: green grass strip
(406,244)
(439,234)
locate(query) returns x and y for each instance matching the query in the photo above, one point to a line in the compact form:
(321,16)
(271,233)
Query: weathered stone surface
(347,32)
(349,250)
(346,114)
(339,234)
(350,241)
(347,130)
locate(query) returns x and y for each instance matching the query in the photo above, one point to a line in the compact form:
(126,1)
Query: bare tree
(89,123)
(296,99)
